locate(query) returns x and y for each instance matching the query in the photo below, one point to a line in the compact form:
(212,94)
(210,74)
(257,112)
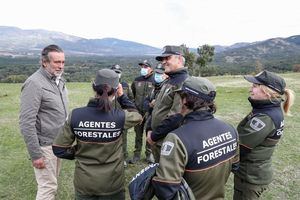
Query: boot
(135,159)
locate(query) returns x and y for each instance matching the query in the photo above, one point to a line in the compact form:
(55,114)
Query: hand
(149,140)
(184,110)
(39,163)
(151,104)
(120,91)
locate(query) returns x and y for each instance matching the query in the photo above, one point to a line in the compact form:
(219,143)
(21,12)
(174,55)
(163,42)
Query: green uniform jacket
(202,152)
(141,87)
(259,132)
(99,166)
(167,101)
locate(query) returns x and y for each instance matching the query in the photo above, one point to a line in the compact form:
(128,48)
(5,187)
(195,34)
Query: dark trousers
(247,191)
(139,133)
(118,196)
(124,145)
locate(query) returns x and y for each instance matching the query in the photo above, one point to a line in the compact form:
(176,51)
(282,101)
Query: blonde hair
(288,100)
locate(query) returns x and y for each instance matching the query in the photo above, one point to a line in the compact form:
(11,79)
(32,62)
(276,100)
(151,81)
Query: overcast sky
(159,22)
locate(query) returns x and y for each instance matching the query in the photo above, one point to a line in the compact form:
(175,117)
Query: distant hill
(278,54)
(17,42)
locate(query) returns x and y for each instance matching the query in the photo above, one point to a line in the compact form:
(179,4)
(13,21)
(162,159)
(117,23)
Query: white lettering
(216,153)
(216,139)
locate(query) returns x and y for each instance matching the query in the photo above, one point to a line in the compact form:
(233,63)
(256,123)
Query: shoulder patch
(257,124)
(167,148)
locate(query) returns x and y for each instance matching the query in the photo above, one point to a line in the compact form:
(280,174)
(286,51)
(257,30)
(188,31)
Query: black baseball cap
(268,79)
(168,51)
(145,63)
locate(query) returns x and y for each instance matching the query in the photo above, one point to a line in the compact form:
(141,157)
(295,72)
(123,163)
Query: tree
(258,66)
(190,59)
(296,68)
(206,53)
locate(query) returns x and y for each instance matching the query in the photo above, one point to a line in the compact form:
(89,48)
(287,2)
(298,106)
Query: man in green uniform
(202,150)
(141,87)
(167,102)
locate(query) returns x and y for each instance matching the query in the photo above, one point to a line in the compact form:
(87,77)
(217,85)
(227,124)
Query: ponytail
(289,101)
(102,96)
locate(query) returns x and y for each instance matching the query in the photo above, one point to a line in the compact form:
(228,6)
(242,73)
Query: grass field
(16,174)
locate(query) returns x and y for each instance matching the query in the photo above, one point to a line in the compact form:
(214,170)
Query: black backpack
(140,187)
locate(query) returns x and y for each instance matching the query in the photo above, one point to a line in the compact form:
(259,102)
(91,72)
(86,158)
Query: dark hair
(103,92)
(194,103)
(48,49)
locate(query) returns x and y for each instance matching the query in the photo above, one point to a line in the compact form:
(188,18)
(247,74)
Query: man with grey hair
(43,112)
(167,102)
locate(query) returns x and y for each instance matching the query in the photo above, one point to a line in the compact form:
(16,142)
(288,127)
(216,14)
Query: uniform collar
(198,115)
(276,102)
(180,71)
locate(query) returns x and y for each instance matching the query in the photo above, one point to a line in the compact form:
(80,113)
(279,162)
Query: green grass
(16,174)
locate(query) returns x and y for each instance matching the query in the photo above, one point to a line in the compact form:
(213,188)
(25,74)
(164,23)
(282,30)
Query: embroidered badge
(257,124)
(167,148)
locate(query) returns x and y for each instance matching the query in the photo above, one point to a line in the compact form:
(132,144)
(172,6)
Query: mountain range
(17,42)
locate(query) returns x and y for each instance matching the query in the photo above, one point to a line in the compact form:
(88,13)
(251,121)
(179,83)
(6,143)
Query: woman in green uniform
(259,132)
(97,131)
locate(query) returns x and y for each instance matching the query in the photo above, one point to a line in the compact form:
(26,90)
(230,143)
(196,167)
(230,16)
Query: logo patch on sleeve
(257,124)
(167,148)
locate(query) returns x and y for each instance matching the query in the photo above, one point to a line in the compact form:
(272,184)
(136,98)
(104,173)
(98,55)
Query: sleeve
(125,102)
(132,118)
(63,144)
(133,89)
(253,131)
(236,160)
(129,93)
(148,123)
(166,126)
(171,168)
(176,106)
(31,98)
(146,103)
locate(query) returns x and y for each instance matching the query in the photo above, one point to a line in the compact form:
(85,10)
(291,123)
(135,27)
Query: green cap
(199,87)
(168,51)
(108,77)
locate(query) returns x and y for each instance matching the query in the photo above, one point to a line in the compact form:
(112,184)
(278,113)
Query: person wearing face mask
(167,101)
(260,132)
(141,87)
(96,130)
(128,92)
(159,79)
(43,111)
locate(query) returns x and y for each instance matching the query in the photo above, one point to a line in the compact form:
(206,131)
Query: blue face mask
(144,71)
(158,78)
